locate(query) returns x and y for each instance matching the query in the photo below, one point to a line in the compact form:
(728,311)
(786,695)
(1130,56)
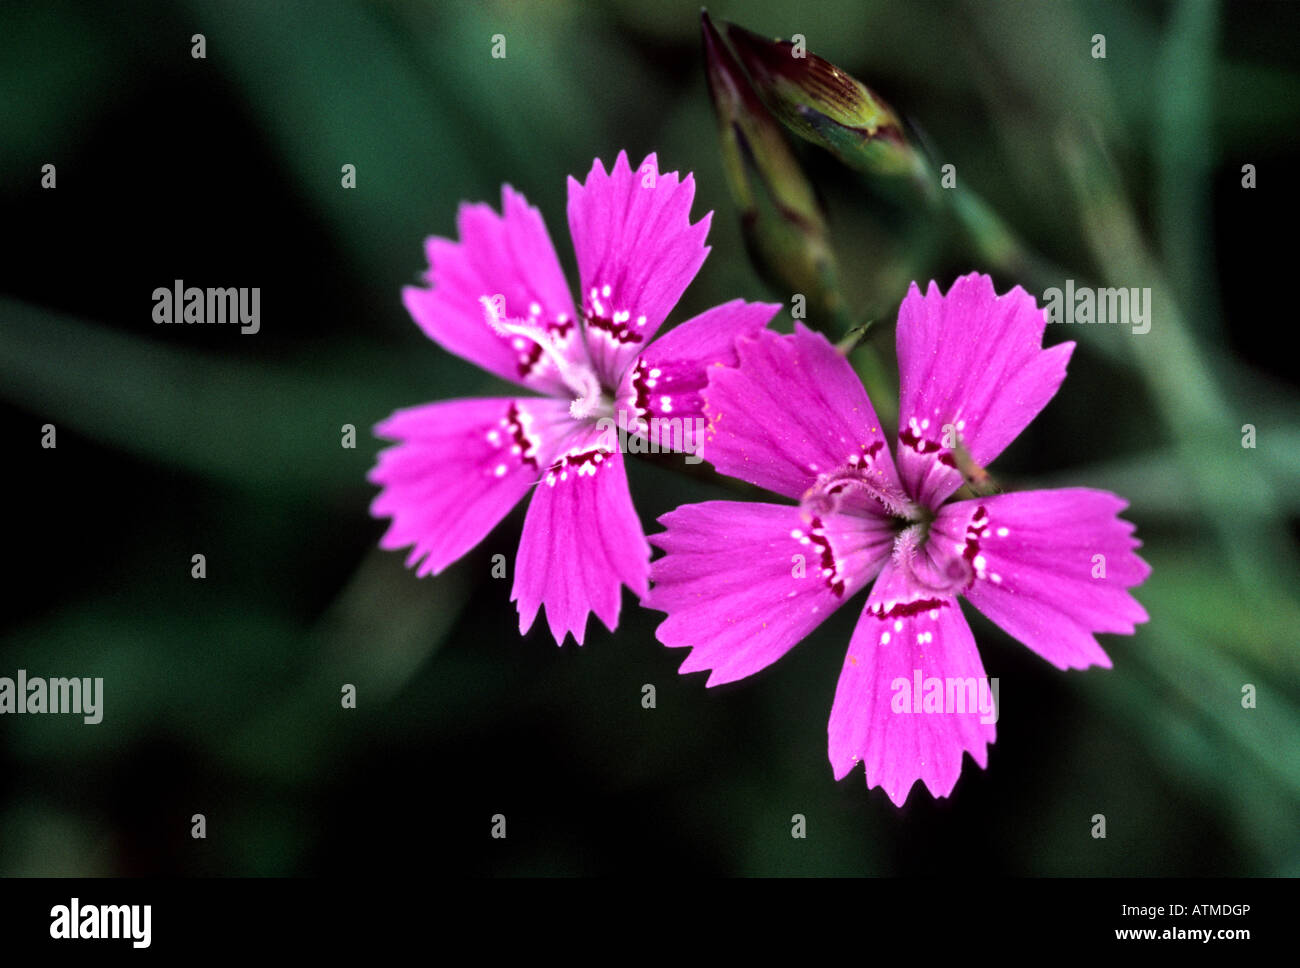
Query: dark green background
(222,695)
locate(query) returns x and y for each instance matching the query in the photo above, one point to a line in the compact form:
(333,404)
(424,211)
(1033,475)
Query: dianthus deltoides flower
(1051,567)
(499,299)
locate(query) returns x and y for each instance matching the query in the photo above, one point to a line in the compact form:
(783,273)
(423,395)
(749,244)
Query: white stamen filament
(910,555)
(818,499)
(577,378)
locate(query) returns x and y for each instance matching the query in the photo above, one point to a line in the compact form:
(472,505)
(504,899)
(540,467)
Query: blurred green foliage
(222,696)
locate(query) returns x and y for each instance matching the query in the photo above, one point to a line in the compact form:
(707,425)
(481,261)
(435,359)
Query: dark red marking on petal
(583,463)
(922,446)
(977,528)
(559,328)
(819,540)
(918,443)
(904,609)
(528,362)
(618,332)
(516,429)
(581,459)
(639,377)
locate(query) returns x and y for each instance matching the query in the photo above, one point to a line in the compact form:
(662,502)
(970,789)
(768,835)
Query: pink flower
(499,299)
(742,583)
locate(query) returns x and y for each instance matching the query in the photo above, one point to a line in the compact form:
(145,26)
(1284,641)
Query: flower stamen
(576,377)
(948,577)
(830,489)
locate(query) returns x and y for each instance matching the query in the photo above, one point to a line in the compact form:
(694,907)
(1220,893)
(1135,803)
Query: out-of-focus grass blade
(526,113)
(248,425)
(1191,404)
(382,626)
(1184,154)
(1199,650)
(333,85)
(58,65)
(1156,481)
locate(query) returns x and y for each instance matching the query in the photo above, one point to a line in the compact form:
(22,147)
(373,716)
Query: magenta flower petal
(792,411)
(637,252)
(972,370)
(498,298)
(743,582)
(459,468)
(908,638)
(1052,568)
(670,375)
(581,539)
(509,255)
